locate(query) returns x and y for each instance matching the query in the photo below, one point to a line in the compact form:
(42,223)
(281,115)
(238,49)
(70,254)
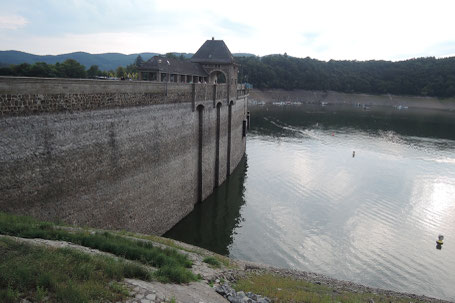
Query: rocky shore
(330,97)
(219,283)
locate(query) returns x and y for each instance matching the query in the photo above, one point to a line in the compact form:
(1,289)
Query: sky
(320,29)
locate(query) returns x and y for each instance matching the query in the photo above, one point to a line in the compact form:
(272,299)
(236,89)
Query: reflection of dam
(211,224)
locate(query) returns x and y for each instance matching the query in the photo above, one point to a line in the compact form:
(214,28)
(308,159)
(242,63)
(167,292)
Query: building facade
(213,63)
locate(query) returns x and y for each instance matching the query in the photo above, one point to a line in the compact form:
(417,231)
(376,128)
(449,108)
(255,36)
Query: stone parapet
(28,96)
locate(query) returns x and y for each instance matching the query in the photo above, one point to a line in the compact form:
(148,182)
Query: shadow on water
(308,204)
(212,223)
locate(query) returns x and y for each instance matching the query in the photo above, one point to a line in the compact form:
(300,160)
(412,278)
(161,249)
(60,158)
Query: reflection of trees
(211,224)
(275,120)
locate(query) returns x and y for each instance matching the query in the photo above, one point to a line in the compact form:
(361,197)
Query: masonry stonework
(113,154)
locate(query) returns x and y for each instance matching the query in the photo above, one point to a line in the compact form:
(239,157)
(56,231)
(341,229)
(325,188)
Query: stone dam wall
(128,155)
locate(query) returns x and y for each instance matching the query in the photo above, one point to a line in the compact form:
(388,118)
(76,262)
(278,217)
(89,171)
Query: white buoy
(440,240)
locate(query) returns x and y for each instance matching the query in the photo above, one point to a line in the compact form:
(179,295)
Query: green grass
(62,275)
(172,265)
(171,243)
(284,289)
(212,261)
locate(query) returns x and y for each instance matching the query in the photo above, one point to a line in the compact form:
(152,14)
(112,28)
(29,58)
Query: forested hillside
(420,77)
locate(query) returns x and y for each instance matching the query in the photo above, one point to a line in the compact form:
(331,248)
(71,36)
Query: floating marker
(440,240)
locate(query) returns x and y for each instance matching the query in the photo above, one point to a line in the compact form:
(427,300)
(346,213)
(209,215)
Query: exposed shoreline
(331,97)
(226,275)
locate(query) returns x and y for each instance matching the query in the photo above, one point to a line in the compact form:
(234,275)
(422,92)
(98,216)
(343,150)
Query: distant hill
(243,55)
(107,61)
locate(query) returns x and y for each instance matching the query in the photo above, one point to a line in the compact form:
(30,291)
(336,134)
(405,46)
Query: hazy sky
(321,29)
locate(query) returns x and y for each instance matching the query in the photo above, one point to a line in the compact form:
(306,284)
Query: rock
(139,296)
(220,290)
(151,297)
(252,296)
(145,301)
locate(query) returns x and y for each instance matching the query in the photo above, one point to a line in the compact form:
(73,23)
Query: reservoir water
(300,198)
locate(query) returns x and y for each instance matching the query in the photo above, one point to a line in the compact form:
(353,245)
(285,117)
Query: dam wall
(130,155)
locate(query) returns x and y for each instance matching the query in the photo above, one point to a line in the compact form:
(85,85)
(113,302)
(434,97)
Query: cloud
(12,22)
(350,29)
(237,28)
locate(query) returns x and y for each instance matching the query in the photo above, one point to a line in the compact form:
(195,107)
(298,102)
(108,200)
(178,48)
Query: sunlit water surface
(299,199)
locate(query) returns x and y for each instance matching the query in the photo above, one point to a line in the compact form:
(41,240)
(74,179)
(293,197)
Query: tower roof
(213,51)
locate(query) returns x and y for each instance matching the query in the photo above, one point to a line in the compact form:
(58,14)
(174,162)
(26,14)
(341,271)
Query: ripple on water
(373,218)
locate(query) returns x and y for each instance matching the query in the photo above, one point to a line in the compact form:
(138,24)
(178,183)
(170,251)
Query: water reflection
(272,120)
(309,204)
(212,223)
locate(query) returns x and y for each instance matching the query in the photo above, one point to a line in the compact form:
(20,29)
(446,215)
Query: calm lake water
(300,200)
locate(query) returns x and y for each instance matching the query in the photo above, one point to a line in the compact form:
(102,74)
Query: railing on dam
(24,96)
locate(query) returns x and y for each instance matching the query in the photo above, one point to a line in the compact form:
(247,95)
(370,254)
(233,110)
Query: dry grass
(285,289)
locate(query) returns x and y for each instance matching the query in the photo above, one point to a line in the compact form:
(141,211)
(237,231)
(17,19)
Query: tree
(41,69)
(93,71)
(70,68)
(22,70)
(139,61)
(422,76)
(7,71)
(171,56)
(120,72)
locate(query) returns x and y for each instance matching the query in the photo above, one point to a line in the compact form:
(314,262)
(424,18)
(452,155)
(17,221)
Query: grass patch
(61,275)
(131,249)
(212,261)
(171,243)
(283,289)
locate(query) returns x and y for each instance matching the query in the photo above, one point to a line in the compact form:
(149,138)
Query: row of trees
(70,69)
(422,76)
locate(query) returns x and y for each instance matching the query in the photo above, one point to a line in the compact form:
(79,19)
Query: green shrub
(212,261)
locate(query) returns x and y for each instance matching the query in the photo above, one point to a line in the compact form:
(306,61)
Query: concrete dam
(133,155)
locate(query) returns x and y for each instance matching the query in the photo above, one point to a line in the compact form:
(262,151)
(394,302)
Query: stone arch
(217,76)
(200,110)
